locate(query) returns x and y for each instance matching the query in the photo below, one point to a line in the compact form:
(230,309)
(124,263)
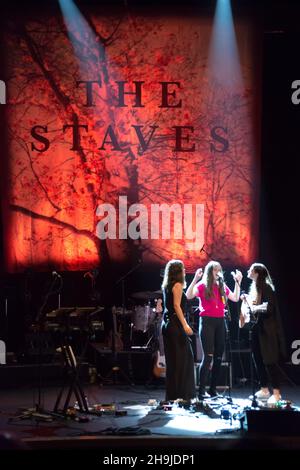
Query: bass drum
(141,317)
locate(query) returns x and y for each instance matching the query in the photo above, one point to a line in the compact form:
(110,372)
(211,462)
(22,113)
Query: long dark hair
(262,279)
(174,272)
(208,280)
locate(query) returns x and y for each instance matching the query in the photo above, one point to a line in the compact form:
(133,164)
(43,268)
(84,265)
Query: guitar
(250,310)
(159,369)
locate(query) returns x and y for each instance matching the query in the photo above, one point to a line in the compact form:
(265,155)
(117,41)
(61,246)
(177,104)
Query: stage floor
(143,426)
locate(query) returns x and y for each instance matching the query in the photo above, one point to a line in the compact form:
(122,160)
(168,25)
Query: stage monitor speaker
(135,364)
(275,422)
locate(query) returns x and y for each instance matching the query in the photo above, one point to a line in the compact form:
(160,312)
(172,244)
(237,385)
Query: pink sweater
(213,307)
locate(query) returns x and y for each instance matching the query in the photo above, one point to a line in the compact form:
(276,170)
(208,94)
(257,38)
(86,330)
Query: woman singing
(180,381)
(212,292)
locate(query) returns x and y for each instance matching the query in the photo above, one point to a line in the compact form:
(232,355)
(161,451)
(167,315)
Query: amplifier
(136,364)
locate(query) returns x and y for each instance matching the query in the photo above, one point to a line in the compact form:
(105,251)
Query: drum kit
(139,325)
(144,316)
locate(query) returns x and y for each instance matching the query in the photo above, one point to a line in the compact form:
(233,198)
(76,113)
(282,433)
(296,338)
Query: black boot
(204,371)
(213,393)
(203,395)
(215,373)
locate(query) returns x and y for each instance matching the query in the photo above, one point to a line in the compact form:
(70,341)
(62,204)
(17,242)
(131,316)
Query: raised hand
(237,276)
(198,274)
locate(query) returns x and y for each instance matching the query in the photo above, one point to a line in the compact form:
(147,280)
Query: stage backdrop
(83,151)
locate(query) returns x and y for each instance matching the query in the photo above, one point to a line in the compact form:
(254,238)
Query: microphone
(220,275)
(55,274)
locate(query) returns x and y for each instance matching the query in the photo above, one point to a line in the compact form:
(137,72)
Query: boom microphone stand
(228,352)
(254,403)
(52,290)
(116,367)
(227,341)
(38,412)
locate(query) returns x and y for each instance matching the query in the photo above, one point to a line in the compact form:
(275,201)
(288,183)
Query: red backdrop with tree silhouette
(53,193)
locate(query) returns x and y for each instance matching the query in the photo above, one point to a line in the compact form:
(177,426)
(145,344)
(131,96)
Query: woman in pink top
(212,293)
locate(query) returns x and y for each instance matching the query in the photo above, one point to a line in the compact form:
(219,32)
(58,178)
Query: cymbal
(147,295)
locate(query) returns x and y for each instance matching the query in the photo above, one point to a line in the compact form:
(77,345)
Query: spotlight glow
(81,35)
(224,63)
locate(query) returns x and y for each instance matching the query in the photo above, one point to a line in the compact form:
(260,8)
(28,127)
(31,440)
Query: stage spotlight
(81,35)
(73,18)
(224,64)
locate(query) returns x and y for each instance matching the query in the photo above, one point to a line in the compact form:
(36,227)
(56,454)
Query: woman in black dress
(180,380)
(268,341)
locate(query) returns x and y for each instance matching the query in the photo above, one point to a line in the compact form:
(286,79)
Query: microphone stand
(228,342)
(228,353)
(4,335)
(116,368)
(6,330)
(122,280)
(40,318)
(254,403)
(38,412)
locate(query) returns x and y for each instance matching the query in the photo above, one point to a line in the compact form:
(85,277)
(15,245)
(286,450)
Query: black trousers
(212,335)
(180,377)
(266,373)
